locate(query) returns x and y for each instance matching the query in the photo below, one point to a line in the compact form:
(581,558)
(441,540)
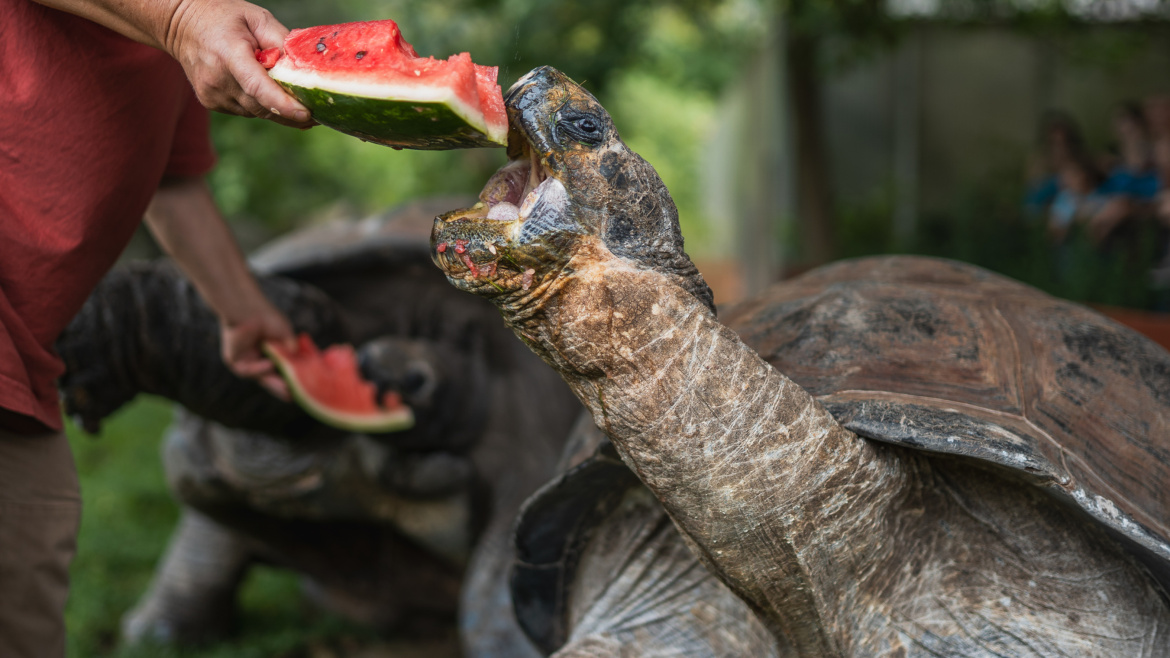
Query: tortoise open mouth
(515,187)
(474,243)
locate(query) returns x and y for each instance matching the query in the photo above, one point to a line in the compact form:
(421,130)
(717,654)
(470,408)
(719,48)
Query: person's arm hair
(215,42)
(185,221)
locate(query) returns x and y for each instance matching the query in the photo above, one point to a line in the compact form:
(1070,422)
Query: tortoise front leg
(640,591)
(193,595)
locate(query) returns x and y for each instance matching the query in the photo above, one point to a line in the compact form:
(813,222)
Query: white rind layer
(363,88)
(389,421)
(395,420)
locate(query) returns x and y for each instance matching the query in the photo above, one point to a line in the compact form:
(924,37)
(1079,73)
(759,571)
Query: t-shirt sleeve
(191,151)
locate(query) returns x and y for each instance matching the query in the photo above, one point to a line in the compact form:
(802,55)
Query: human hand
(215,41)
(243,347)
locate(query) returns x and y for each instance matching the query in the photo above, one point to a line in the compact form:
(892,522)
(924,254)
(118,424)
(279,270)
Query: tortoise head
(571,194)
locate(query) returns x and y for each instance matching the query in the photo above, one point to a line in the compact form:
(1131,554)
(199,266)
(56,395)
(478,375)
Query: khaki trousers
(40,509)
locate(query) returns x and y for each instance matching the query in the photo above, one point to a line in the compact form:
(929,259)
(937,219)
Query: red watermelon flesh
(268,57)
(372,59)
(491,100)
(328,384)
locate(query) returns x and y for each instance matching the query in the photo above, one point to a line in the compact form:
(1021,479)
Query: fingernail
(301,115)
(275,111)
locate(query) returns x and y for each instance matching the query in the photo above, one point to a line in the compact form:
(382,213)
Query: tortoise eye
(585,129)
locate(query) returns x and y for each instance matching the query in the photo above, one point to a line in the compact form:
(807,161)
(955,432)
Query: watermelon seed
(360,54)
(492,248)
(320,47)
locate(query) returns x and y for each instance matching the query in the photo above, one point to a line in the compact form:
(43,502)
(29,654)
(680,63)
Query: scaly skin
(846,547)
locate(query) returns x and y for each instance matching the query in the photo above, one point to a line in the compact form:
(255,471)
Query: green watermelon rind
(384,422)
(426,124)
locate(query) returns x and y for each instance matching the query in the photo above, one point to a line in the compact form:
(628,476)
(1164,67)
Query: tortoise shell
(938,356)
(361,263)
(950,358)
(400,234)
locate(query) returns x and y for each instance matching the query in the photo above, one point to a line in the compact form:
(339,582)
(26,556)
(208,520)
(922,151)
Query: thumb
(268,31)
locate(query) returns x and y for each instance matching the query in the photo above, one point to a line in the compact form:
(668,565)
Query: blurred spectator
(1158,115)
(1157,111)
(1134,175)
(1133,181)
(1162,165)
(1061,144)
(1079,196)
(1160,276)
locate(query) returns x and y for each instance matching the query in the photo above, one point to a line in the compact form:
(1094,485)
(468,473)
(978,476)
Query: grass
(127,517)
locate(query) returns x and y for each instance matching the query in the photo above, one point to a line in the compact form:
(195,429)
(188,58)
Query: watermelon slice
(329,386)
(365,80)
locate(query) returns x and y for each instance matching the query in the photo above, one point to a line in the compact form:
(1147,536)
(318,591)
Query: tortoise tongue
(504,212)
(513,183)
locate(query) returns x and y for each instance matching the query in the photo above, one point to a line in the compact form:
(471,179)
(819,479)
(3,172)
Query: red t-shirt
(90,122)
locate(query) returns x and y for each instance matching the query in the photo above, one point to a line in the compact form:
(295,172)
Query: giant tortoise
(396,530)
(963,466)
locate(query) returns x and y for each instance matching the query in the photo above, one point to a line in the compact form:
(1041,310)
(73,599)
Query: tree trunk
(814,200)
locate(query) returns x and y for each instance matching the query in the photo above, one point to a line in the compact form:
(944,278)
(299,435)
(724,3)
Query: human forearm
(187,225)
(144,21)
(214,41)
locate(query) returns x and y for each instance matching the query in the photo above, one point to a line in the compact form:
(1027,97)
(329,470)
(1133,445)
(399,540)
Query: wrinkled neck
(752,470)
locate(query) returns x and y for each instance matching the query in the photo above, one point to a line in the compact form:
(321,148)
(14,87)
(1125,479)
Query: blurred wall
(977,95)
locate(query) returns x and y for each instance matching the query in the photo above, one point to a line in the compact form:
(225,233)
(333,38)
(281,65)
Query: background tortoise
(394,530)
(997,487)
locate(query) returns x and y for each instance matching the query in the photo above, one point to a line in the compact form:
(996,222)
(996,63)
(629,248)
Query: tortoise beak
(530,103)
